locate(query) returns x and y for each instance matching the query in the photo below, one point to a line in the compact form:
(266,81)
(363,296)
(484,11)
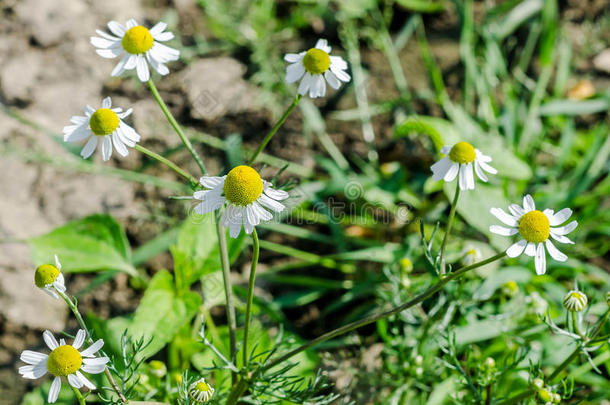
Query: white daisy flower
(314,66)
(200,391)
(64,361)
(246,194)
(461,158)
(104,124)
(138,45)
(575,301)
(534,227)
(50,278)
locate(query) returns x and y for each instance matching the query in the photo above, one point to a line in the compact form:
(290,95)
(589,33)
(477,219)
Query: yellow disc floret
(137,40)
(64,360)
(243,185)
(45,275)
(316,61)
(462,152)
(201,391)
(534,227)
(103,122)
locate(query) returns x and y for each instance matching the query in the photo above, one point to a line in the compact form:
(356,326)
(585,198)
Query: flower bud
(545,395)
(556,398)
(575,301)
(406,264)
(157,368)
(538,383)
(509,289)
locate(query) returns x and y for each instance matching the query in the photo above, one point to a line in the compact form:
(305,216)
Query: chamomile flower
(314,66)
(575,301)
(49,278)
(535,227)
(247,196)
(461,159)
(64,361)
(138,46)
(200,391)
(103,125)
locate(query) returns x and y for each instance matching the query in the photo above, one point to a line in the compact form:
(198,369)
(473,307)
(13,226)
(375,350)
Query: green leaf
(162,312)
(423,6)
(443,132)
(94,243)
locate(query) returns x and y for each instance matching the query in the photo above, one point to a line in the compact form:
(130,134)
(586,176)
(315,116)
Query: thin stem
(255,252)
(83,326)
(167,162)
(226,274)
(449,225)
(274,129)
(373,318)
(79,396)
(176,126)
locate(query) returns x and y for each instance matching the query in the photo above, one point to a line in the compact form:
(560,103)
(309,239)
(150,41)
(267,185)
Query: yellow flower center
(202,386)
(243,185)
(316,61)
(45,274)
(64,360)
(534,227)
(137,40)
(462,152)
(103,122)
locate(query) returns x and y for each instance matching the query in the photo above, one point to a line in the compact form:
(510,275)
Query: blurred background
(526,79)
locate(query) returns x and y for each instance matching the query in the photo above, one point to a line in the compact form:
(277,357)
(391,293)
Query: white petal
(57,263)
(323,45)
(250,219)
(131,63)
(212,181)
(74,381)
(92,361)
(270,203)
(107,102)
(275,194)
(163,53)
(102,43)
(32,357)
(164,36)
(119,145)
(554,252)
(446,149)
(210,204)
(440,168)
(116,28)
(332,80)
(305,84)
(516,249)
(89,147)
(504,217)
(235,222)
(341,75)
(528,203)
(485,166)
(560,217)
(530,249)
(293,57)
(129,133)
(107,36)
(318,87)
(469,177)
(91,350)
(120,67)
(106,148)
(79,339)
(479,172)
(561,238)
(452,172)
(93,368)
(157,28)
(54,390)
(540,259)
(294,72)
(131,23)
(462,177)
(110,53)
(80,133)
(50,340)
(516,210)
(262,213)
(337,62)
(156,65)
(84,380)
(564,230)
(500,230)
(142,68)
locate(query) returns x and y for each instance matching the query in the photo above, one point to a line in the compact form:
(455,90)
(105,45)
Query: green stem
(83,325)
(373,318)
(176,126)
(226,274)
(237,391)
(255,252)
(168,163)
(79,396)
(449,225)
(274,129)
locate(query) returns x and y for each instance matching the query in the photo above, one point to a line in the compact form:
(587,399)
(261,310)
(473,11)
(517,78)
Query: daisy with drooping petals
(104,124)
(314,66)
(200,391)
(461,159)
(575,301)
(247,196)
(139,47)
(64,361)
(534,227)
(49,278)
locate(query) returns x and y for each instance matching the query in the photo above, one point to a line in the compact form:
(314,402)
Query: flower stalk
(255,253)
(449,225)
(193,182)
